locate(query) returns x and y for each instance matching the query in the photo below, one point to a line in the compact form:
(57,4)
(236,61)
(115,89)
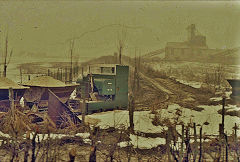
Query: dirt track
(164,91)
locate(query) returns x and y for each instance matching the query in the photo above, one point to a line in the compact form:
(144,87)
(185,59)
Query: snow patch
(120,119)
(73,94)
(143,142)
(190,83)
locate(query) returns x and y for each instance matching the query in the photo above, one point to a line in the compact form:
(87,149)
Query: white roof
(6,83)
(46,81)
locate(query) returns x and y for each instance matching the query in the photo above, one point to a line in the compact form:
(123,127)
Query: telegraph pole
(71,55)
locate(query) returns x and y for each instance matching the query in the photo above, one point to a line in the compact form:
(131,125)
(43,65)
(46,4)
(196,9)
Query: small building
(18,92)
(194,48)
(105,87)
(38,92)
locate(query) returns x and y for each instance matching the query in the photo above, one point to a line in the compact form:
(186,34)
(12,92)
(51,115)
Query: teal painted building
(105,87)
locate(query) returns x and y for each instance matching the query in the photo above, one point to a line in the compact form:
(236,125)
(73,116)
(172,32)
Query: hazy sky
(44,28)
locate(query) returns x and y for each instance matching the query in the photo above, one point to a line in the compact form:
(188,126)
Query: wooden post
(187,143)
(131,112)
(120,55)
(220,142)
(226,142)
(5,58)
(182,142)
(71,68)
(72,155)
(222,126)
(195,142)
(200,152)
(168,141)
(34,147)
(83,95)
(27,146)
(236,142)
(223,113)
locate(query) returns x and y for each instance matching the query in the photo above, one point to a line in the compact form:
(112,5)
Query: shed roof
(46,81)
(6,83)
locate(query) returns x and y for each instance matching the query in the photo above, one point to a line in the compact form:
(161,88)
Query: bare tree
(121,43)
(71,63)
(5,57)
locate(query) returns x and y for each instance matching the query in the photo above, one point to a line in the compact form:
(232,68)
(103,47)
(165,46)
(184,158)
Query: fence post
(236,141)
(182,142)
(226,142)
(195,142)
(200,152)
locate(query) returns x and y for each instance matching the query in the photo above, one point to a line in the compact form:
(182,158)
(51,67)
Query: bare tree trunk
(5,70)
(200,153)
(120,55)
(5,58)
(223,112)
(11,99)
(131,113)
(92,157)
(168,141)
(132,102)
(33,147)
(71,68)
(27,146)
(236,142)
(195,142)
(181,151)
(83,95)
(226,142)
(187,142)
(72,155)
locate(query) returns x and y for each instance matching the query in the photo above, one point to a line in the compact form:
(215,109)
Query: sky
(43,29)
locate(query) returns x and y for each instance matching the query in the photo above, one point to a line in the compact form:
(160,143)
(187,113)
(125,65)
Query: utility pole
(200,153)
(71,68)
(223,112)
(5,57)
(83,90)
(120,54)
(5,64)
(132,99)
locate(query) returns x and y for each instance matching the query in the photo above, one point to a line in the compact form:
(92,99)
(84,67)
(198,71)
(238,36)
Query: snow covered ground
(143,122)
(120,118)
